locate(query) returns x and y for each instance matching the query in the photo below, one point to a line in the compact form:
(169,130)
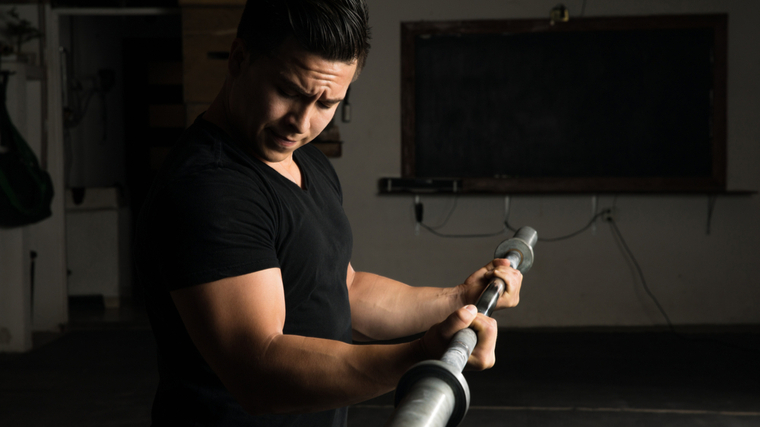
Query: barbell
(434,393)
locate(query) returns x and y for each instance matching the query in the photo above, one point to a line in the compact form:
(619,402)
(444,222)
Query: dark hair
(337,30)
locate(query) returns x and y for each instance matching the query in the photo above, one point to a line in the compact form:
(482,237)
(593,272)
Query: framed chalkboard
(634,104)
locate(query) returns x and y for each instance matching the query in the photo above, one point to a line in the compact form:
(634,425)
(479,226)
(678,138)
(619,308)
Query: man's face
(281,103)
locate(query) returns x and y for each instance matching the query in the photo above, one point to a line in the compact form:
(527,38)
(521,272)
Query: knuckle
(461,316)
(492,325)
(490,322)
(490,362)
(482,362)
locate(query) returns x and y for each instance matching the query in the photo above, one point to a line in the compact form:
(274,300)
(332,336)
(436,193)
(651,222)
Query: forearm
(237,325)
(300,374)
(383,309)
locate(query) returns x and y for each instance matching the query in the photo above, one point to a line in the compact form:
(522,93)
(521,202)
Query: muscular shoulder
(210,213)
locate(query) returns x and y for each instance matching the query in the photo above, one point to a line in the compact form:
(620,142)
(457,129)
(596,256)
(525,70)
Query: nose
(300,117)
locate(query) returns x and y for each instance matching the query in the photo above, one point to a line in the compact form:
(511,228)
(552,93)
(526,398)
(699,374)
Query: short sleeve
(214,224)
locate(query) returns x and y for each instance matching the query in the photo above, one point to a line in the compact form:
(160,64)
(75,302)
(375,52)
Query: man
(244,249)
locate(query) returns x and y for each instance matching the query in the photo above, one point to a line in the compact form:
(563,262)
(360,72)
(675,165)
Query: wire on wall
(419,223)
(419,216)
(604,213)
(711,198)
(591,222)
(607,216)
(627,250)
(671,327)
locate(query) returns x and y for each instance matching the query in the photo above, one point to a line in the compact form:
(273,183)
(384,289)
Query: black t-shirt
(214,212)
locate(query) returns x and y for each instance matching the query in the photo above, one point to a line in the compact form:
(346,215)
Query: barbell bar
(434,393)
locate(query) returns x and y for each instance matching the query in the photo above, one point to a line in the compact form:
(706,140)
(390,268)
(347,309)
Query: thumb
(433,344)
(458,320)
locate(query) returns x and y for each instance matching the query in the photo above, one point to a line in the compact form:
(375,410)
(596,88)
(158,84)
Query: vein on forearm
(383,309)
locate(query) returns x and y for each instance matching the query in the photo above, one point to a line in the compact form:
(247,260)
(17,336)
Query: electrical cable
(672,329)
(568,236)
(418,214)
(469,236)
(448,215)
(507,227)
(710,207)
(616,232)
(628,251)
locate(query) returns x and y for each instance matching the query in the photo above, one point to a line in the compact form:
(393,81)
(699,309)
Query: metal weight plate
(521,247)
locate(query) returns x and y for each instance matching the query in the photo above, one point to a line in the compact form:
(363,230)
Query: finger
(484,354)
(513,280)
(434,342)
(501,262)
(499,266)
(475,284)
(494,264)
(458,320)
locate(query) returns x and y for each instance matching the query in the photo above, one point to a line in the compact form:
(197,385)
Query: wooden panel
(183,3)
(330,148)
(203,76)
(165,73)
(217,21)
(207,34)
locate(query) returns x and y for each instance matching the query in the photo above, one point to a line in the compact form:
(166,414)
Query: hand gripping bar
(434,393)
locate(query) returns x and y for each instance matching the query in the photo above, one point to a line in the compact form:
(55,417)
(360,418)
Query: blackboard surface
(633,105)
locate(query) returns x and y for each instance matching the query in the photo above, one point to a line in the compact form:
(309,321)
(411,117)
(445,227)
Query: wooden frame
(714,183)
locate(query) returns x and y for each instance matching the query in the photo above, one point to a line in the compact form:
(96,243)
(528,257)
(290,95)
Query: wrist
(418,351)
(465,295)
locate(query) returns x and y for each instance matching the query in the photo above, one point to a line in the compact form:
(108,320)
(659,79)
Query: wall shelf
(390,186)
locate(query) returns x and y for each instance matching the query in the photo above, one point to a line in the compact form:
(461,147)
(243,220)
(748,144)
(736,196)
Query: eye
(285,93)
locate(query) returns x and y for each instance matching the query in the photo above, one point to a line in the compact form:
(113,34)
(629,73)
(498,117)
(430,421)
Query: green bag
(26,191)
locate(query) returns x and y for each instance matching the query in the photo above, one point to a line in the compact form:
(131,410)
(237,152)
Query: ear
(238,56)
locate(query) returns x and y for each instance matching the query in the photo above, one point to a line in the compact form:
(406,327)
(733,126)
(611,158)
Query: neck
(287,168)
(218,114)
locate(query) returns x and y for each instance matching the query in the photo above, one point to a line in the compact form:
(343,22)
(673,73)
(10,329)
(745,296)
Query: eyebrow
(296,88)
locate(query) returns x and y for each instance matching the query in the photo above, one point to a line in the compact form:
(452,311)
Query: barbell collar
(519,247)
(411,383)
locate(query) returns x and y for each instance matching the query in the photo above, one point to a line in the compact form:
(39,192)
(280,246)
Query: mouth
(282,141)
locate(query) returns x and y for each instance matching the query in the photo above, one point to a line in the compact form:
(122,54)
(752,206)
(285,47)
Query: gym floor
(102,372)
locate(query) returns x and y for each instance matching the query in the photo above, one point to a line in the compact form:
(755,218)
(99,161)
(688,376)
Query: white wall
(46,237)
(22,310)
(585,281)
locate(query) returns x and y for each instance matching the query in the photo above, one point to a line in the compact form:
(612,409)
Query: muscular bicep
(237,325)
(233,321)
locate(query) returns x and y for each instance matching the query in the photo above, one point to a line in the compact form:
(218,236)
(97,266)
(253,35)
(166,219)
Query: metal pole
(434,393)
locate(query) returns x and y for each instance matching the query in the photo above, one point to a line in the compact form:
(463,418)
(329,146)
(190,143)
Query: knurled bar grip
(434,393)
(519,251)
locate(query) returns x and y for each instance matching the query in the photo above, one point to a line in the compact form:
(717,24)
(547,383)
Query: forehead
(295,64)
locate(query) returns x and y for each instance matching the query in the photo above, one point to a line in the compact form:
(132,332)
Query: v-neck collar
(239,145)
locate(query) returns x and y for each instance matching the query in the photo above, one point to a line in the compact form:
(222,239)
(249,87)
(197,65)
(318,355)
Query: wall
(45,308)
(699,278)
(585,281)
(15,280)
(100,262)
(95,148)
